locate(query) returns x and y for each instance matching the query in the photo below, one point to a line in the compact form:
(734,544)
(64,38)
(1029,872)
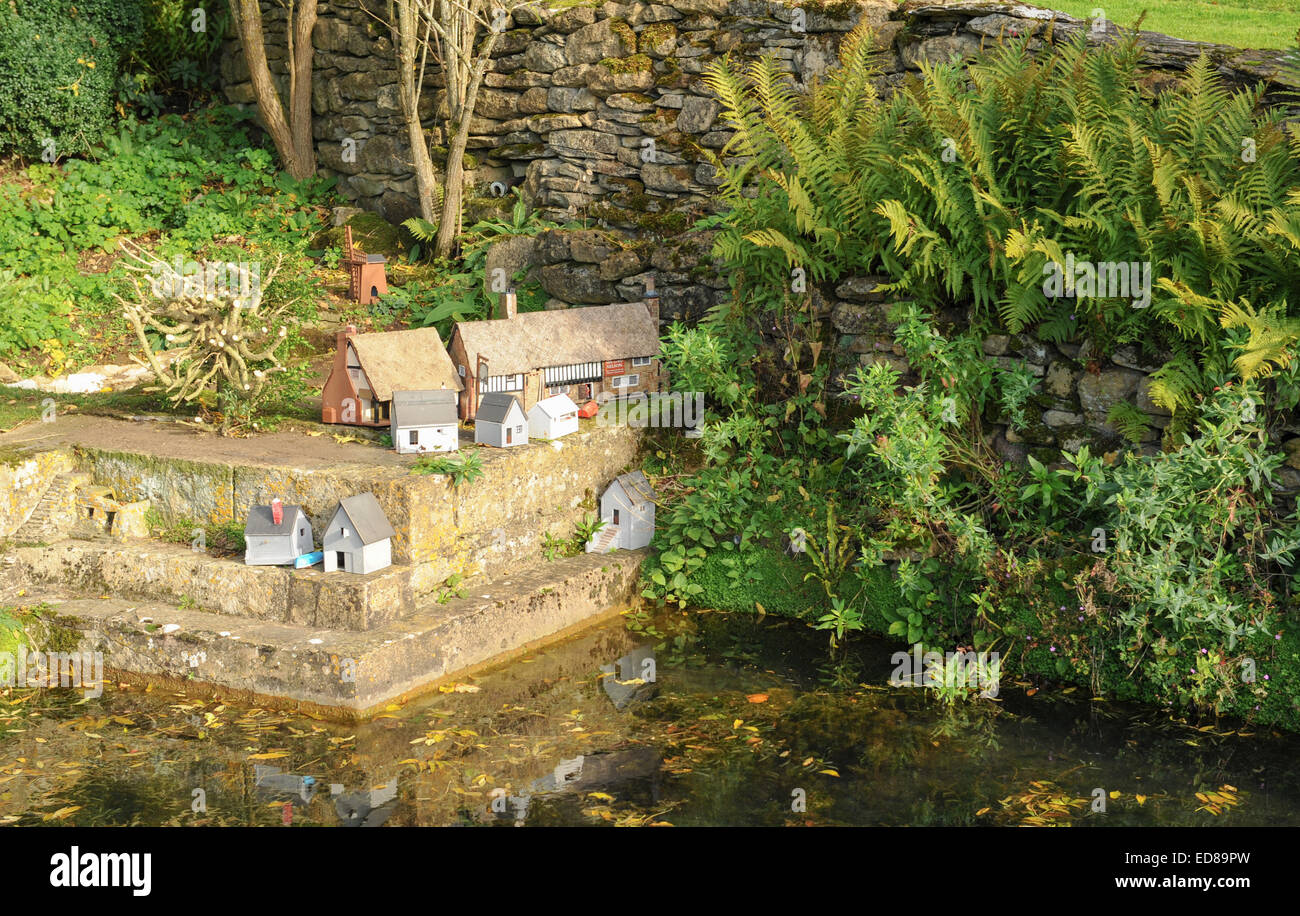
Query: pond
(669,718)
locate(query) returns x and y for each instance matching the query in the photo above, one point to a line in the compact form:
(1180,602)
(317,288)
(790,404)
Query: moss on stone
(636,63)
(624,33)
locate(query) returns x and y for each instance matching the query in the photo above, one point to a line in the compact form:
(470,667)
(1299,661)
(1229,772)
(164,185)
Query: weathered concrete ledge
(351,673)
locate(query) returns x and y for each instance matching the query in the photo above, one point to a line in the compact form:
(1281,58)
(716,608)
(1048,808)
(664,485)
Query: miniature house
(578,352)
(368,367)
(366,278)
(500,421)
(424,421)
(627,508)
(358,538)
(276,535)
(553,417)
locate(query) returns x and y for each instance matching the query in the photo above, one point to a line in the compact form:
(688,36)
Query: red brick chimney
(277,511)
(338,386)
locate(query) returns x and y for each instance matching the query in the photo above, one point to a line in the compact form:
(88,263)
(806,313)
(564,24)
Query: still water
(653,719)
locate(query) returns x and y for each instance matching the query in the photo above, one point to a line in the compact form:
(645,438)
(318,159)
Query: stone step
(345,672)
(158,572)
(55,511)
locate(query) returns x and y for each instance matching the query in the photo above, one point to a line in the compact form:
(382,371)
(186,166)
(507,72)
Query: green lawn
(1243,23)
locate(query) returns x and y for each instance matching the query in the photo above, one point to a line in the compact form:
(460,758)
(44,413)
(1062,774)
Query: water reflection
(688,719)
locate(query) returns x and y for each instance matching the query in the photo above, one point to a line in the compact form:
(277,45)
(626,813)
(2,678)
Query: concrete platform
(350,673)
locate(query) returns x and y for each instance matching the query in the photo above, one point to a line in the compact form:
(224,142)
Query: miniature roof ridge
(560,337)
(260,521)
(495,407)
(410,360)
(557,405)
(367,517)
(635,484)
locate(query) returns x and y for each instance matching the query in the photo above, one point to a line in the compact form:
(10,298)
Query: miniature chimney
(277,511)
(651,297)
(509,304)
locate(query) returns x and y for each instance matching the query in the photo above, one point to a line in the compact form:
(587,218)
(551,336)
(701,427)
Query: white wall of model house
(413,440)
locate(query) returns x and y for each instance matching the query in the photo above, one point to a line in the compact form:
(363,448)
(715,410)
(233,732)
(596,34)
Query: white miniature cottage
(358,538)
(628,510)
(424,421)
(276,535)
(553,417)
(500,421)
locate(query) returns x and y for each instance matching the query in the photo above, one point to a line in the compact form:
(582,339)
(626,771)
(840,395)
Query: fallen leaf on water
(61,813)
(269,755)
(982,811)
(757,698)
(1141,799)
(829,773)
(602,796)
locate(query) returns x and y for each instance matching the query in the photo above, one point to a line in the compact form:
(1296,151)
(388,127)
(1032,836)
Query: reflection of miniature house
(553,417)
(631,677)
(367,809)
(366,279)
(368,367)
(272,781)
(358,538)
(500,421)
(276,535)
(425,421)
(627,508)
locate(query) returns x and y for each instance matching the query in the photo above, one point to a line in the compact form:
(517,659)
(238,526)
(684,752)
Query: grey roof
(495,407)
(560,337)
(424,408)
(366,516)
(636,486)
(260,522)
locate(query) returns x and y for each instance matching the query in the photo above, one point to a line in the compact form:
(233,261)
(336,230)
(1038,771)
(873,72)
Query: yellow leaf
(737,723)
(808,762)
(1141,799)
(829,773)
(61,813)
(982,811)
(269,755)
(602,796)
(1116,794)
(774,497)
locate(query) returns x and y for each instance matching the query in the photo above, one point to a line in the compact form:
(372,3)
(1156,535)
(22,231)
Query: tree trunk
(404,22)
(449,226)
(294,144)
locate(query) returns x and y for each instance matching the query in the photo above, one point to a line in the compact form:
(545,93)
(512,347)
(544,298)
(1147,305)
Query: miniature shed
(500,421)
(628,510)
(553,417)
(425,421)
(359,537)
(276,535)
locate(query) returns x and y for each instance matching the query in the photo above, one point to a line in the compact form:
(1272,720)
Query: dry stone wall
(600,113)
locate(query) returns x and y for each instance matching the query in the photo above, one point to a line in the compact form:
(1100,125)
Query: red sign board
(613,367)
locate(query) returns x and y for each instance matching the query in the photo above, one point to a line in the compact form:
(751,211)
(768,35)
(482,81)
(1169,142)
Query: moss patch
(636,63)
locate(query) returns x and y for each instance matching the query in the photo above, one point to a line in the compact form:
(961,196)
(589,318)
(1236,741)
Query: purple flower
(1053,648)
(1266,677)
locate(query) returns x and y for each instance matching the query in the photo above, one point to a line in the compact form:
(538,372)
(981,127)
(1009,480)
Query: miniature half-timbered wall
(584,353)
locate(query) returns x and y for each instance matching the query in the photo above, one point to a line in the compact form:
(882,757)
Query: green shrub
(57,77)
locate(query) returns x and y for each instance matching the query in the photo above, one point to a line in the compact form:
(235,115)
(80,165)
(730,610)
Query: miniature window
(639,362)
(625,381)
(461,371)
(415,437)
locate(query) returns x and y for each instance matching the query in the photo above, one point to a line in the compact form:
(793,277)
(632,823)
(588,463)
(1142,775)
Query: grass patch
(1242,23)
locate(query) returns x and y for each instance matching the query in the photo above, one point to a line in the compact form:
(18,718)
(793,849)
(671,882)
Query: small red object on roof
(277,511)
(588,410)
